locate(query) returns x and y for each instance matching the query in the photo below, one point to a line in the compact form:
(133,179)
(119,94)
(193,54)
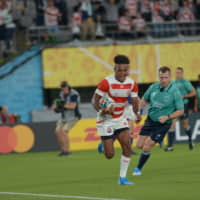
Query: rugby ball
(105,102)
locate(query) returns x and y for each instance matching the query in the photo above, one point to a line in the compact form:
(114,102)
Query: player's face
(179,74)
(121,72)
(164,78)
(65,90)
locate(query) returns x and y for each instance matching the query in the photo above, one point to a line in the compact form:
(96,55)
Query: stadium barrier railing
(179,30)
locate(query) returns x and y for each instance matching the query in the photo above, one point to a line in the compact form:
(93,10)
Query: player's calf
(109,155)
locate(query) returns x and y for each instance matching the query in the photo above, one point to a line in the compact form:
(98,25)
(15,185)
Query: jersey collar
(166,88)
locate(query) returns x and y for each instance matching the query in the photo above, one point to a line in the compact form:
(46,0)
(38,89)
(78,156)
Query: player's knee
(109,155)
(147,147)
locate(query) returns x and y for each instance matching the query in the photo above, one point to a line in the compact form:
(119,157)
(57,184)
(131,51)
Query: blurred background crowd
(24,22)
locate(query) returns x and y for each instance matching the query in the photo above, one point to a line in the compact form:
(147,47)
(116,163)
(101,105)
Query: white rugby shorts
(108,127)
(128,113)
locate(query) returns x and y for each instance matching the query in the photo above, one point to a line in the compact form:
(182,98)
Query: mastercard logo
(19,138)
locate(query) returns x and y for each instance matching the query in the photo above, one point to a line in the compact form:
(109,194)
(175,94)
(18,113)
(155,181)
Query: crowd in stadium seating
(6,117)
(94,18)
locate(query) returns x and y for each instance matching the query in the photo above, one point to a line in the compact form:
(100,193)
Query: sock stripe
(146,153)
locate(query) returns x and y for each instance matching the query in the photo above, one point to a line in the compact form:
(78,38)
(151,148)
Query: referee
(187,91)
(165,104)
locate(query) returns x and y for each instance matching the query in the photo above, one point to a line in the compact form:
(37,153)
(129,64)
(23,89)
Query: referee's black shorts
(155,130)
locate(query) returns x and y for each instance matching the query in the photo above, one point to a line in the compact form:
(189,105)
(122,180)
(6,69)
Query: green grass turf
(167,175)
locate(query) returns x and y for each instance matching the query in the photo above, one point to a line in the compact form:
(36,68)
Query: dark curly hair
(121,59)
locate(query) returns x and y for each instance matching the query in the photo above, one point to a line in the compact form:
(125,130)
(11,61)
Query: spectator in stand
(132,7)
(125,24)
(166,10)
(111,16)
(62,7)
(3,11)
(197,15)
(6,28)
(40,5)
(197,10)
(186,16)
(157,19)
(24,12)
(76,22)
(145,9)
(4,118)
(191,5)
(139,26)
(112,10)
(9,34)
(52,17)
(70,7)
(168,14)
(88,24)
(99,17)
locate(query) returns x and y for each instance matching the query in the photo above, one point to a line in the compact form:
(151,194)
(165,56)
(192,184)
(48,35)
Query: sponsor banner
(19,139)
(194,121)
(87,66)
(84,135)
(38,137)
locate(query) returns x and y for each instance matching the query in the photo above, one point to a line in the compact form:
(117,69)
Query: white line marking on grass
(58,196)
(101,61)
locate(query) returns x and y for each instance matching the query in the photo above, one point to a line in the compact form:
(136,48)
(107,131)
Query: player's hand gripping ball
(106,104)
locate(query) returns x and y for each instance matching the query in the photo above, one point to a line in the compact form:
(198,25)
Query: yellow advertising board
(87,66)
(84,135)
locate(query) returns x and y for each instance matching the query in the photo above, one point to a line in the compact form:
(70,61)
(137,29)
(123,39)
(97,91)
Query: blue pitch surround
(21,90)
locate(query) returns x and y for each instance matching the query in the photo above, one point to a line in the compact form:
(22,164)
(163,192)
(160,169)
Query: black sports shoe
(64,153)
(191,146)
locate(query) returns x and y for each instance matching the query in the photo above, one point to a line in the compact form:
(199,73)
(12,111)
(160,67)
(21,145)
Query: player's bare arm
(135,104)
(70,106)
(143,103)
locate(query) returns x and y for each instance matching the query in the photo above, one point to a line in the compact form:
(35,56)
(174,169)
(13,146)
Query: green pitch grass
(167,175)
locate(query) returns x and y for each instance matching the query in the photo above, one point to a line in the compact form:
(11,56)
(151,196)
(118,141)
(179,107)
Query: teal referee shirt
(163,101)
(184,87)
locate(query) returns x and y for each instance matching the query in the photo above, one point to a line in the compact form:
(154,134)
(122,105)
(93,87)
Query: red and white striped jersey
(167,9)
(124,23)
(145,6)
(118,91)
(139,24)
(51,16)
(157,18)
(131,5)
(76,22)
(186,15)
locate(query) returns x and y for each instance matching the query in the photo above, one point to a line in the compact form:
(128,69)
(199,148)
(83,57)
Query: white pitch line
(58,196)
(105,64)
